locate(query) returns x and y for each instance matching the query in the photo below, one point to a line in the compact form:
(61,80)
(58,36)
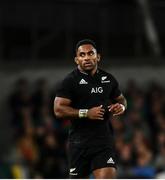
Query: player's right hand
(96,113)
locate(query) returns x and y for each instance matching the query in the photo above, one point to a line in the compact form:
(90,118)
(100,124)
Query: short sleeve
(65,88)
(115,91)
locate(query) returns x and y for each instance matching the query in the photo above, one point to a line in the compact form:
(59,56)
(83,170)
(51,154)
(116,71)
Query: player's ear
(98,57)
(76,60)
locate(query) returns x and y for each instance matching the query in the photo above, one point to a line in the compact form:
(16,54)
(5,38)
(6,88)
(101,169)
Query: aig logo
(97,90)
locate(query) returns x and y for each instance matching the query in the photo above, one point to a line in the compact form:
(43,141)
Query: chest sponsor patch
(97,90)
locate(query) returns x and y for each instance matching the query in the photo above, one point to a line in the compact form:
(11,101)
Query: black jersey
(86,91)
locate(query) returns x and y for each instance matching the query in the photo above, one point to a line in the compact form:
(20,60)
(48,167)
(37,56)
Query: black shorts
(82,161)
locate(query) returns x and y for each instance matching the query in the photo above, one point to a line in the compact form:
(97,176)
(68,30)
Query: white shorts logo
(110,161)
(72,169)
(72,172)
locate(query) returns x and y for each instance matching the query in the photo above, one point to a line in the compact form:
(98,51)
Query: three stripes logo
(83,82)
(110,161)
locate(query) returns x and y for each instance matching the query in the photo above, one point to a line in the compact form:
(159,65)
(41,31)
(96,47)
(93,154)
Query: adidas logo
(83,82)
(110,161)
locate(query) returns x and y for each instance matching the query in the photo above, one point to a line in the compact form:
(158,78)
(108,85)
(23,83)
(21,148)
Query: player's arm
(119,106)
(63,109)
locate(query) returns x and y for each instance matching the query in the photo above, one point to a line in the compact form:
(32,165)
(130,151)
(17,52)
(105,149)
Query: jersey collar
(97,71)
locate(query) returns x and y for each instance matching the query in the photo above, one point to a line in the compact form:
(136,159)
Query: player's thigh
(78,164)
(104,162)
(105,173)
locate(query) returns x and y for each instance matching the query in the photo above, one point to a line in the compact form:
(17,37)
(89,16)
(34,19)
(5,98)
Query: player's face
(87,57)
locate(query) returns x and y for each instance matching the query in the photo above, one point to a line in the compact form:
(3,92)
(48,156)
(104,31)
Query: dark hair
(85,41)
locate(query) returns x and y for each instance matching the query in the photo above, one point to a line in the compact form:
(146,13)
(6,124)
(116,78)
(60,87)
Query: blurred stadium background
(37,41)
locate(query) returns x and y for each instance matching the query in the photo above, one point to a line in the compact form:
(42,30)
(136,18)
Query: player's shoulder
(69,76)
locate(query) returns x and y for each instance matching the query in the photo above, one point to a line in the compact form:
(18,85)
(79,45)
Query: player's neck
(91,72)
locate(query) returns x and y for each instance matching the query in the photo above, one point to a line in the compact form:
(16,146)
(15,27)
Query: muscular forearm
(63,109)
(95,113)
(119,106)
(121,100)
(66,112)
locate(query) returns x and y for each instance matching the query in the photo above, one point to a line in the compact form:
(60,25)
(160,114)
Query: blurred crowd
(39,147)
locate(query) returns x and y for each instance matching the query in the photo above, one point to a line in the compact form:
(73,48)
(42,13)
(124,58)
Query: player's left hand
(116,109)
